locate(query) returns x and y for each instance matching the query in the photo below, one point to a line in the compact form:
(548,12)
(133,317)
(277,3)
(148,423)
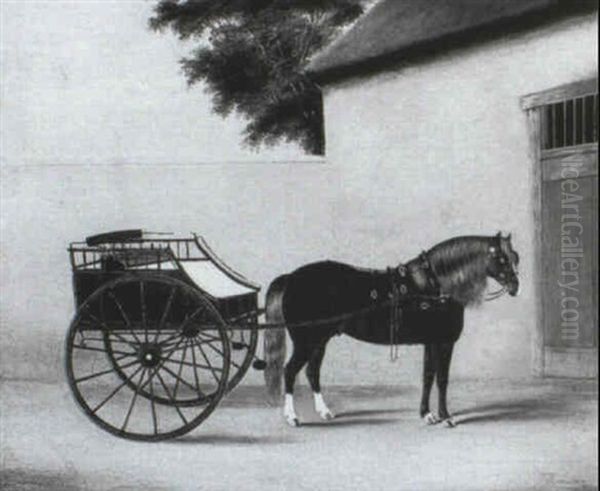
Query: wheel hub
(149,355)
(190,331)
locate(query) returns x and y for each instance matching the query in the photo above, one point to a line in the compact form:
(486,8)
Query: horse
(419,302)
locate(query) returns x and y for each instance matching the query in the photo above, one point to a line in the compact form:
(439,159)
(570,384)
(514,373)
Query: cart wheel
(148,357)
(243,344)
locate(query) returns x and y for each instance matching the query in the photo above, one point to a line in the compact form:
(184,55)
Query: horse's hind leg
(444,357)
(430,362)
(313,373)
(294,365)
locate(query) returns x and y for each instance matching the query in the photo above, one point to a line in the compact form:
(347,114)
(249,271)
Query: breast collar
(418,276)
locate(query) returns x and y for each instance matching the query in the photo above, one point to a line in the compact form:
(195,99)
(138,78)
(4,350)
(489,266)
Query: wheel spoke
(220,352)
(104,372)
(133,399)
(170,338)
(108,329)
(195,364)
(143,310)
(90,348)
(212,370)
(124,315)
(119,358)
(174,375)
(195,371)
(122,339)
(166,312)
(194,314)
(153,405)
(112,341)
(180,369)
(207,338)
(168,392)
(112,394)
(175,349)
(197,341)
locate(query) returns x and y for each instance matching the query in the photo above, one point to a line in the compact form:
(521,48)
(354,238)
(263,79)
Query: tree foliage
(251,56)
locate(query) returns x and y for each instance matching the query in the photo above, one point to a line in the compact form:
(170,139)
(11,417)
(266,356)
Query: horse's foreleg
(444,357)
(430,360)
(313,373)
(292,368)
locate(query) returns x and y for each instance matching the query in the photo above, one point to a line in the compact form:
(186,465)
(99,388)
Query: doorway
(567,230)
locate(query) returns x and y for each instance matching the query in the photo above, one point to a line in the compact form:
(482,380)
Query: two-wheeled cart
(151,350)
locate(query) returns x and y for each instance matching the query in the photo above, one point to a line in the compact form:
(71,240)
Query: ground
(538,434)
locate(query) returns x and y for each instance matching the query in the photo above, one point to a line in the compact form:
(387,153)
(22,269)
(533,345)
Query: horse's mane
(461,267)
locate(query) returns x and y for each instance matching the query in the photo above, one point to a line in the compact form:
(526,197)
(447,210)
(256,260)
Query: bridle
(489,296)
(497,255)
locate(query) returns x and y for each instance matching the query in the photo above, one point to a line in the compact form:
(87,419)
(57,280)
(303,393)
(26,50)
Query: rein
(496,294)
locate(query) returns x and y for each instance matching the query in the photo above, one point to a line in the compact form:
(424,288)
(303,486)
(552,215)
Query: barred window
(570,122)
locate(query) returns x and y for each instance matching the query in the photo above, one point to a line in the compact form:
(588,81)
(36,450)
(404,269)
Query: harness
(400,289)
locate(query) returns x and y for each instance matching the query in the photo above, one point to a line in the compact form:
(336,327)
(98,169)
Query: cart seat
(212,280)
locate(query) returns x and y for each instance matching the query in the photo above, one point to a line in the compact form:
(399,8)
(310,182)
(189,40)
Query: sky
(87,82)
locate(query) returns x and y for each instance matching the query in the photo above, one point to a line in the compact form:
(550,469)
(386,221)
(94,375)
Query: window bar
(574,122)
(564,128)
(544,128)
(595,132)
(576,113)
(553,127)
(580,136)
(187,249)
(583,111)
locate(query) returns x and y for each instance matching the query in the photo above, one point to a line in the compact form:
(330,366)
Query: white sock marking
(321,407)
(289,412)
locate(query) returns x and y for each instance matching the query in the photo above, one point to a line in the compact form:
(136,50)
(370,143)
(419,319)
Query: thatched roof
(400,30)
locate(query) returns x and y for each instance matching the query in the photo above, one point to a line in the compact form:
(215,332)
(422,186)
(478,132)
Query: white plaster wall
(441,149)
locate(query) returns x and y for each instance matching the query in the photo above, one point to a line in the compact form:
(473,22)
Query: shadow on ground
(528,409)
(226,440)
(36,480)
(256,396)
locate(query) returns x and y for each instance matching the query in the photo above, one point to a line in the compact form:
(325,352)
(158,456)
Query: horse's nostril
(515,289)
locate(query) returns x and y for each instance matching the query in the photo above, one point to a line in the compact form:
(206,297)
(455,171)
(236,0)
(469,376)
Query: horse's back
(326,289)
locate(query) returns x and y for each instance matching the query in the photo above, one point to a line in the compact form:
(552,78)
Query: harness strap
(430,273)
(395,317)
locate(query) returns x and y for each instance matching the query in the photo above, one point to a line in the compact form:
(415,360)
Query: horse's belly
(435,324)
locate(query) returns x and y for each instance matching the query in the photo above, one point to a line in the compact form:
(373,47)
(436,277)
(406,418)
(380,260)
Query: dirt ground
(511,436)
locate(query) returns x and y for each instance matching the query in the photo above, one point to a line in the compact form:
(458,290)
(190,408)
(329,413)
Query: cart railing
(135,254)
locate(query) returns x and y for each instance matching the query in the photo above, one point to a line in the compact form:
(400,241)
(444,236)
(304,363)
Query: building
(463,117)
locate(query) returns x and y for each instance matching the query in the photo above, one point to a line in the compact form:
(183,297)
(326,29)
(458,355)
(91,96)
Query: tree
(251,56)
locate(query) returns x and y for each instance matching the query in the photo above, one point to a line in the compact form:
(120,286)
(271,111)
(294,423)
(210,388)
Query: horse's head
(503,263)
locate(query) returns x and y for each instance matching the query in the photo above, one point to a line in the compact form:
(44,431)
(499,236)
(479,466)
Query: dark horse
(420,302)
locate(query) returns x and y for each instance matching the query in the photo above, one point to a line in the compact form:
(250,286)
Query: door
(570,263)
(565,129)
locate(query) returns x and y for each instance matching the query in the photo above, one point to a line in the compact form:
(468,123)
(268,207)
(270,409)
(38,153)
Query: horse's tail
(274,340)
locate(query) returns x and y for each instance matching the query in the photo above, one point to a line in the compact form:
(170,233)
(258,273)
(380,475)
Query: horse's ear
(499,234)
(509,236)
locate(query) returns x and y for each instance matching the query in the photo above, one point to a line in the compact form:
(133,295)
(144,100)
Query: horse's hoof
(431,419)
(449,423)
(293,422)
(327,415)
